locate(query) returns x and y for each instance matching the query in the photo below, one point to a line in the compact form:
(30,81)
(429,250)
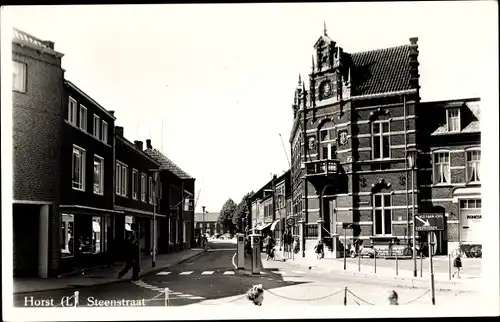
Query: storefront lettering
(474,216)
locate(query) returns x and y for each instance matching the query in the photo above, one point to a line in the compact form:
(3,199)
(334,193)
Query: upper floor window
(473,166)
(442,167)
(150,190)
(78,168)
(143,187)
(453,119)
(380,140)
(83,118)
(104,132)
(97,127)
(72,111)
(98,175)
(19,77)
(121,179)
(135,183)
(383,214)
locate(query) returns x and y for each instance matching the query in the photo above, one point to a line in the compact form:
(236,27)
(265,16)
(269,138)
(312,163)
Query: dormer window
(453,119)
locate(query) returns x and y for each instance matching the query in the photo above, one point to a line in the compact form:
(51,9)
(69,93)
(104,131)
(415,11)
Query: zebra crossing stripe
(298,272)
(263,273)
(175,293)
(228,273)
(196,298)
(185,295)
(207,273)
(163,273)
(186,273)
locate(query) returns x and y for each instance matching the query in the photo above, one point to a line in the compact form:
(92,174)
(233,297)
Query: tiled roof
(474,126)
(209,217)
(167,164)
(132,146)
(381,71)
(23,38)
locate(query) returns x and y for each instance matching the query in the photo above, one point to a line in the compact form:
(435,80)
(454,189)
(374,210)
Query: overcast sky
(222,77)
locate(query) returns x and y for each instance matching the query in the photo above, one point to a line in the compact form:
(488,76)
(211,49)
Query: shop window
(82,122)
(380,140)
(68,235)
(129,220)
(311,230)
(98,175)
(382,214)
(470,203)
(19,77)
(473,166)
(442,167)
(78,168)
(97,234)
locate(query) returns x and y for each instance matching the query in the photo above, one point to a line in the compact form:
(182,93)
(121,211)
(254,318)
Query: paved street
(211,279)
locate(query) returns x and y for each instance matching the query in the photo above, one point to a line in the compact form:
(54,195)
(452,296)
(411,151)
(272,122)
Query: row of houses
(366,150)
(79,185)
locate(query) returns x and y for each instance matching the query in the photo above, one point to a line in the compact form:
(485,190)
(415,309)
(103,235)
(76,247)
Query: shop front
(84,239)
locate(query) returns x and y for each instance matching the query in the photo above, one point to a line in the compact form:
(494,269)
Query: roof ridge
(379,49)
(167,159)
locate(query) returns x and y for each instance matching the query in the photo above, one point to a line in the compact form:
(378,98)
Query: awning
(263,226)
(273,225)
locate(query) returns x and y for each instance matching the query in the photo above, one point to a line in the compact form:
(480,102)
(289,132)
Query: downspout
(306,212)
(406,172)
(181,220)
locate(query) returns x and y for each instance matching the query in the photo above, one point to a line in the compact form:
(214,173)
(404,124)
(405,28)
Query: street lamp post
(203,222)
(412,156)
(155,172)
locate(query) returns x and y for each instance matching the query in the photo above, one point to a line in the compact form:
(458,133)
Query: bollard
(167,296)
(375,261)
(449,267)
(397,264)
(421,264)
(359,261)
(345,296)
(77,294)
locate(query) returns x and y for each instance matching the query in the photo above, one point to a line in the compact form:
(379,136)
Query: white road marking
(228,273)
(163,273)
(175,293)
(186,273)
(185,295)
(196,298)
(298,272)
(263,273)
(207,273)
(279,272)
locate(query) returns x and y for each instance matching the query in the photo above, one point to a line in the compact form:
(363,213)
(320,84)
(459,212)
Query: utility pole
(203,223)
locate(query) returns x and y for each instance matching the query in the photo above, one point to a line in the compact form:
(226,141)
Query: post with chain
(449,267)
(345,296)
(77,294)
(375,260)
(431,269)
(359,260)
(167,291)
(421,264)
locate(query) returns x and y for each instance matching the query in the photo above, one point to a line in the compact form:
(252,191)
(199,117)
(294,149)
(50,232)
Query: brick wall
(37,127)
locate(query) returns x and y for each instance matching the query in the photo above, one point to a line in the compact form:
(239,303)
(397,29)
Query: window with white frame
(83,118)
(135,183)
(473,165)
(121,179)
(150,190)
(453,119)
(381,140)
(78,166)
(442,167)
(143,187)
(98,175)
(104,132)
(97,127)
(19,77)
(382,214)
(72,111)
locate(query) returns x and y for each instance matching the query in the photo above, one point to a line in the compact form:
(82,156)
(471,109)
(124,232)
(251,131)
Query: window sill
(99,193)
(20,91)
(79,189)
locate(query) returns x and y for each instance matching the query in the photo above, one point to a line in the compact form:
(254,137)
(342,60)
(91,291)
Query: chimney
(413,62)
(148,144)
(49,44)
(138,145)
(112,113)
(119,130)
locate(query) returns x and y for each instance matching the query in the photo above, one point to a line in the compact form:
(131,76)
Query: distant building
(207,223)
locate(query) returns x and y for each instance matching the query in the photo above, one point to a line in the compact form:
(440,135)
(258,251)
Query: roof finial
(324,25)
(300,80)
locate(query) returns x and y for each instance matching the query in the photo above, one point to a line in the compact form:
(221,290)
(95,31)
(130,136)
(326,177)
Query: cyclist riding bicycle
(204,242)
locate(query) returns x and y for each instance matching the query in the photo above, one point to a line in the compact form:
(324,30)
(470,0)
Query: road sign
(429,222)
(290,221)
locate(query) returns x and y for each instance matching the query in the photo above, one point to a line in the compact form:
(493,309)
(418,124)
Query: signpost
(430,222)
(345,226)
(290,222)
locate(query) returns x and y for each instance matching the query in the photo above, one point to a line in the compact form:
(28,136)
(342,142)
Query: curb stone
(114,280)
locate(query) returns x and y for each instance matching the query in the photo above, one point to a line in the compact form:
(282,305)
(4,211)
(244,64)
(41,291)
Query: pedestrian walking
(320,249)
(132,257)
(270,243)
(457,263)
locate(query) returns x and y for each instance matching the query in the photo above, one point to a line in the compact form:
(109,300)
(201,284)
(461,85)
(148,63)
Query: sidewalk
(386,268)
(101,276)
